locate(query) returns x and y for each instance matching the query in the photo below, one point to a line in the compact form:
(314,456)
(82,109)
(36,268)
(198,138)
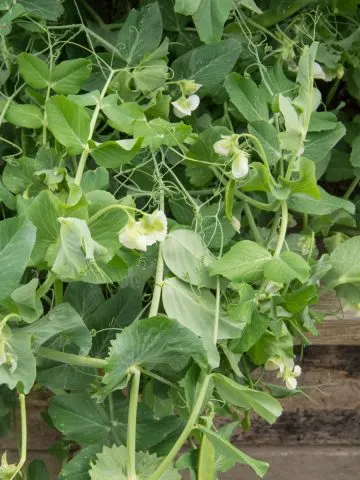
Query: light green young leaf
(244,262)
(186,7)
(244,397)
(160,132)
(268,137)
(150,75)
(45,9)
(291,118)
(23,371)
(320,121)
(251,5)
(210,17)
(111,464)
(113,154)
(19,175)
(17,239)
(208,64)
(69,123)
(64,327)
(68,76)
(306,182)
(187,256)
(28,306)
(97,179)
(225,448)
(34,71)
(24,115)
(154,343)
(247,97)
(319,144)
(345,260)
(141,33)
(122,116)
(286,267)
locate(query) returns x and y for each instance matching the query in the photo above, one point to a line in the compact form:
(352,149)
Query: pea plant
(178,187)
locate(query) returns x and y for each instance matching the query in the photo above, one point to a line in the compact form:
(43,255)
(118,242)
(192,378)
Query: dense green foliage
(152,268)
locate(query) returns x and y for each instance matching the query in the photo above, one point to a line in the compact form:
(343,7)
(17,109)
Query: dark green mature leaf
(63,326)
(319,144)
(355,152)
(17,239)
(37,470)
(69,123)
(244,262)
(111,464)
(225,448)
(210,17)
(244,397)
(28,306)
(203,148)
(154,343)
(78,467)
(254,328)
(323,206)
(208,64)
(186,7)
(79,418)
(247,97)
(141,33)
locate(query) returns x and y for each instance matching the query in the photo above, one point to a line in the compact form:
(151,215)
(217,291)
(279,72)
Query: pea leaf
(244,397)
(63,326)
(122,116)
(268,137)
(186,255)
(210,17)
(306,181)
(24,115)
(68,122)
(24,369)
(319,144)
(78,467)
(244,262)
(159,132)
(322,206)
(46,9)
(355,152)
(68,76)
(34,71)
(286,267)
(208,64)
(247,97)
(17,239)
(113,154)
(141,33)
(156,342)
(345,264)
(186,7)
(111,463)
(37,470)
(28,306)
(203,148)
(225,448)
(79,418)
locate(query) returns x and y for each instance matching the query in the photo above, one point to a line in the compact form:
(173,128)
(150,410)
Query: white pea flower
(288,371)
(235,224)
(240,164)
(190,87)
(319,73)
(225,146)
(290,377)
(185,106)
(155,226)
(133,236)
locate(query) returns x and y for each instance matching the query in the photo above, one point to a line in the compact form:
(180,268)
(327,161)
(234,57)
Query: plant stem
(165,464)
(23,436)
(131,429)
(283,228)
(86,151)
(58,291)
(158,378)
(352,187)
(217,311)
(71,359)
(46,285)
(252,224)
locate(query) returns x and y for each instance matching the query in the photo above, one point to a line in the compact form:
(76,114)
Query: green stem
(332,91)
(58,291)
(165,464)
(23,436)
(283,228)
(71,359)
(252,224)
(115,206)
(86,151)
(261,151)
(158,378)
(217,311)
(46,285)
(131,429)
(352,187)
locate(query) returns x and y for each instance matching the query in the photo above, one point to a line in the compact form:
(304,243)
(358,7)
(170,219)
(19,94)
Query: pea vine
(178,188)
